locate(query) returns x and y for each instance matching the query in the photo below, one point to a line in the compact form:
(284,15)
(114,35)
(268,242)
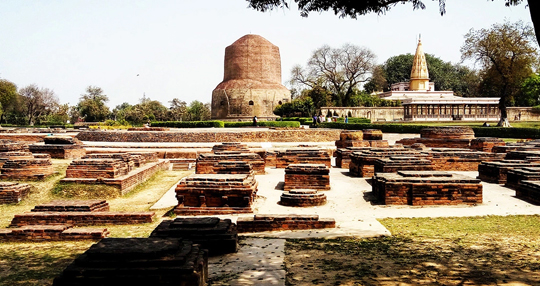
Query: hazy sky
(171,48)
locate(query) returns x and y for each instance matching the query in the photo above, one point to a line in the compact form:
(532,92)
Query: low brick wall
(12,193)
(81,218)
(260,223)
(51,233)
(212,135)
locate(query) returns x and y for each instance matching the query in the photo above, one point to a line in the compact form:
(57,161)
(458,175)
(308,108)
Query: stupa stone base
(302,198)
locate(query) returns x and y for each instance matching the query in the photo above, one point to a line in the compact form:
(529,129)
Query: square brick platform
(271,222)
(12,193)
(307,176)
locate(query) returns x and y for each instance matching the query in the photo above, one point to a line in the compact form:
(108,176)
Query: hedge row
(189,124)
(501,132)
(264,123)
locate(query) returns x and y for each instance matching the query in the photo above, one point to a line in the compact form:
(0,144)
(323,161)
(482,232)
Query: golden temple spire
(419,73)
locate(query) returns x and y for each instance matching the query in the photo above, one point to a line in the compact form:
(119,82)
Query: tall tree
(507,55)
(353,9)
(530,90)
(198,111)
(92,106)
(178,109)
(338,70)
(8,97)
(37,102)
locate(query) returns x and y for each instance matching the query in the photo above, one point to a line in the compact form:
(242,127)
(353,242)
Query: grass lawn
(521,124)
(37,263)
(422,251)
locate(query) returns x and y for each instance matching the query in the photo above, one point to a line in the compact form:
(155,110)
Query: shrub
(189,124)
(295,124)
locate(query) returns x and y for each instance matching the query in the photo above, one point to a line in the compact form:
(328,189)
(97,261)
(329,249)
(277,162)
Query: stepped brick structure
(351,138)
(12,193)
(302,198)
(230,147)
(218,236)
(251,83)
(529,191)
(497,172)
(533,156)
(207,161)
(307,176)
(443,137)
(51,232)
(514,177)
(363,163)
(38,167)
(486,144)
(60,147)
(73,206)
(343,155)
(81,218)
(215,194)
(148,128)
(233,167)
(373,134)
(97,168)
(419,188)
(7,145)
(303,156)
(138,261)
(270,222)
(4,156)
(515,147)
(393,164)
(455,159)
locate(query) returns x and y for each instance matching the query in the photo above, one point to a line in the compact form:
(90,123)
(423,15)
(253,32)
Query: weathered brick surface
(73,206)
(7,145)
(529,191)
(515,176)
(12,193)
(271,222)
(124,183)
(497,172)
(343,158)
(402,163)
(97,168)
(373,134)
(51,233)
(447,159)
(419,188)
(303,156)
(218,236)
(486,144)
(148,129)
(307,176)
(207,161)
(302,198)
(216,194)
(59,151)
(363,162)
(40,166)
(230,146)
(233,167)
(533,156)
(138,261)
(81,218)
(61,140)
(297,135)
(442,137)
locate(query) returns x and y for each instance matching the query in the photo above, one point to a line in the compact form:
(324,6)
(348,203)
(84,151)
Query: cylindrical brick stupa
(251,83)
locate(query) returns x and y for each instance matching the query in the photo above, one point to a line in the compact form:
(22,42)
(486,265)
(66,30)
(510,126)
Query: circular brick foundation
(302,198)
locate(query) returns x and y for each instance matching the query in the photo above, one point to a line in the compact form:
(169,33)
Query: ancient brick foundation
(363,163)
(343,155)
(210,194)
(81,218)
(529,191)
(38,167)
(307,176)
(51,233)
(59,147)
(515,176)
(12,193)
(73,206)
(270,222)
(496,172)
(138,261)
(442,137)
(402,163)
(218,236)
(486,144)
(302,198)
(7,145)
(303,156)
(230,147)
(447,159)
(419,188)
(207,161)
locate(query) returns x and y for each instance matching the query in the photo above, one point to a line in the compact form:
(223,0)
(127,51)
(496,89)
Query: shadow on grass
(400,259)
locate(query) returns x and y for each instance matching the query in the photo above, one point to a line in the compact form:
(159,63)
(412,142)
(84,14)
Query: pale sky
(177,47)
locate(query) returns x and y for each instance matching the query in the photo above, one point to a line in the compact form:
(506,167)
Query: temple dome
(419,73)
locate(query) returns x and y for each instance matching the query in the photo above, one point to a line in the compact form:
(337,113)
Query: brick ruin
(307,176)
(230,147)
(394,164)
(38,166)
(7,145)
(12,193)
(497,172)
(343,155)
(204,194)
(515,176)
(218,236)
(441,137)
(457,159)
(486,144)
(529,191)
(207,161)
(260,222)
(123,171)
(420,188)
(302,198)
(138,261)
(303,156)
(59,147)
(363,163)
(351,138)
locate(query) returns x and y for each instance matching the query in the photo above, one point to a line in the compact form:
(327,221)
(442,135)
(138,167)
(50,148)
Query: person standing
(254,120)
(346,119)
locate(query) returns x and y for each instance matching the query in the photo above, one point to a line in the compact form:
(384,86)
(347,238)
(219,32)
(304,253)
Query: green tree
(506,54)
(339,70)
(530,92)
(92,106)
(353,9)
(198,111)
(178,109)
(319,95)
(378,82)
(302,106)
(37,102)
(8,97)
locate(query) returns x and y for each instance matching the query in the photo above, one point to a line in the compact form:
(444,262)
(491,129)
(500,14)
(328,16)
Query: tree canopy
(353,9)
(507,55)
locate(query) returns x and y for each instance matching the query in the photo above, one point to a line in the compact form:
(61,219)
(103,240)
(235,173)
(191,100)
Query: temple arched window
(251,102)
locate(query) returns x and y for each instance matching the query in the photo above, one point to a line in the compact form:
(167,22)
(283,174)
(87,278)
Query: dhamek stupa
(251,83)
